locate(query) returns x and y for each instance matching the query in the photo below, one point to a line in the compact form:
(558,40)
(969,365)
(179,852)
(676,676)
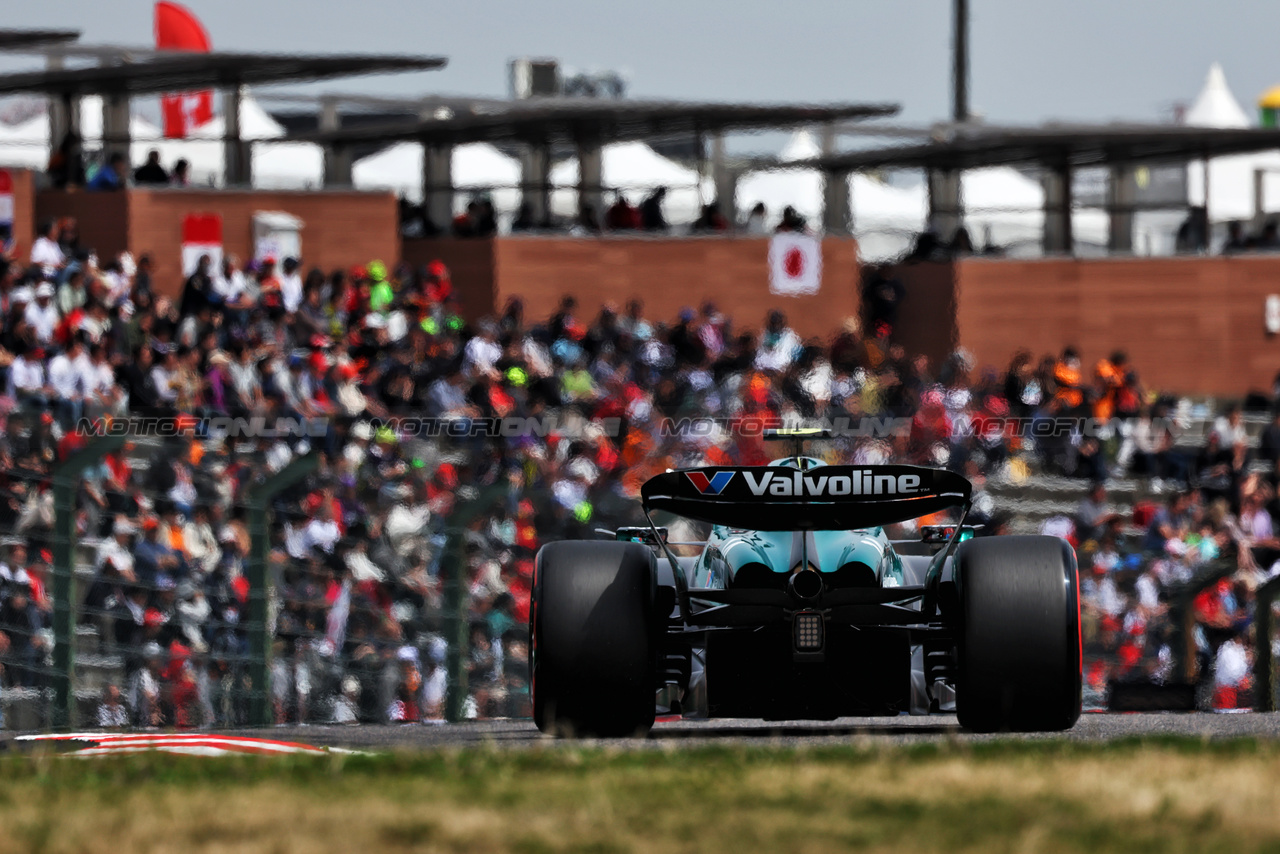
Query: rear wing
(778,498)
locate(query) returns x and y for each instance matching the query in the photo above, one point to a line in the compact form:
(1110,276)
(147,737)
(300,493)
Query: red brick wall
(24,212)
(470,264)
(669,274)
(102,218)
(1189,325)
(926,318)
(339,229)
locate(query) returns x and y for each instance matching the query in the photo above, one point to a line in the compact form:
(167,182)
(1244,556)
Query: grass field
(1158,796)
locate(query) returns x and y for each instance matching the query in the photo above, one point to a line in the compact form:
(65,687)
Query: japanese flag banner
(201,235)
(795,264)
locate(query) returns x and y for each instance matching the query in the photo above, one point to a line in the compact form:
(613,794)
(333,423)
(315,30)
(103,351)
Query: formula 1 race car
(799,606)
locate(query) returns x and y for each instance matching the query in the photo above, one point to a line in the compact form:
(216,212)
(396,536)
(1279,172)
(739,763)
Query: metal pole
(257,502)
(1264,689)
(1208,227)
(960,73)
(455,608)
(66,480)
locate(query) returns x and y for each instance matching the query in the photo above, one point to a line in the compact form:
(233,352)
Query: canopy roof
(185,71)
(1075,145)
(571,119)
(16,39)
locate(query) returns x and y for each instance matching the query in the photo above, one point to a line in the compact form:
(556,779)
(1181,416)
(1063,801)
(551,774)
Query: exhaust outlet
(805,585)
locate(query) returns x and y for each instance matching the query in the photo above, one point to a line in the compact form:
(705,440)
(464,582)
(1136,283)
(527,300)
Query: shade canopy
(184,72)
(570,120)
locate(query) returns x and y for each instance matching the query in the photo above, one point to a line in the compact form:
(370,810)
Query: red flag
(178,29)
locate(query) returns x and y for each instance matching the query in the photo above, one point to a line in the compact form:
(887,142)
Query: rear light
(808,631)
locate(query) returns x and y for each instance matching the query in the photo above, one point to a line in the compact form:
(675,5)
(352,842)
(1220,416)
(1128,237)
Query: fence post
(66,480)
(1264,689)
(457,629)
(1183,614)
(257,501)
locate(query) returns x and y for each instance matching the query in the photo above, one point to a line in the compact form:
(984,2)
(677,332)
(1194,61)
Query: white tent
(636,170)
(886,219)
(1006,208)
(1003,206)
(27,144)
(397,168)
(475,167)
(1231,179)
(780,188)
(276,165)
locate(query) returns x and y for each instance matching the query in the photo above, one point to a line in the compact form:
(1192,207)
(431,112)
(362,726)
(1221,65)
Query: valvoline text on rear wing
(779,498)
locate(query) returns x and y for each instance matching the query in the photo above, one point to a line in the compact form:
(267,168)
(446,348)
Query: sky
(1087,60)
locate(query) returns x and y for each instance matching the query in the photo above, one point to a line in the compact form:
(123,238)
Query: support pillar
(535,181)
(945,207)
(1121,194)
(337,158)
(256,625)
(115,126)
(591,177)
(236,152)
(836,214)
(64,110)
(724,179)
(1057,211)
(437,184)
(1259,195)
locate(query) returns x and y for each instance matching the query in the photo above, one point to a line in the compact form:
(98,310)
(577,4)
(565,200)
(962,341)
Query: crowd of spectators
(68,168)
(352,361)
(479,219)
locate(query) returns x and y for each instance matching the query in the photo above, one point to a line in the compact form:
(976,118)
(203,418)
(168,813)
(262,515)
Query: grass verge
(1165,795)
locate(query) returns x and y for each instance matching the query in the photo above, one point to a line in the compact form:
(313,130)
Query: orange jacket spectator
(1110,379)
(1067,377)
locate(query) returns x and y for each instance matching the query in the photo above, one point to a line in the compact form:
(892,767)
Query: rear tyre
(1018,638)
(593,639)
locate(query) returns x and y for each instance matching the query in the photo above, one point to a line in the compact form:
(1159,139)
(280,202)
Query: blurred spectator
(651,217)
(1093,512)
(792,221)
(45,251)
(112,175)
(754,224)
(710,219)
(21,623)
(112,713)
(1193,233)
(151,172)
